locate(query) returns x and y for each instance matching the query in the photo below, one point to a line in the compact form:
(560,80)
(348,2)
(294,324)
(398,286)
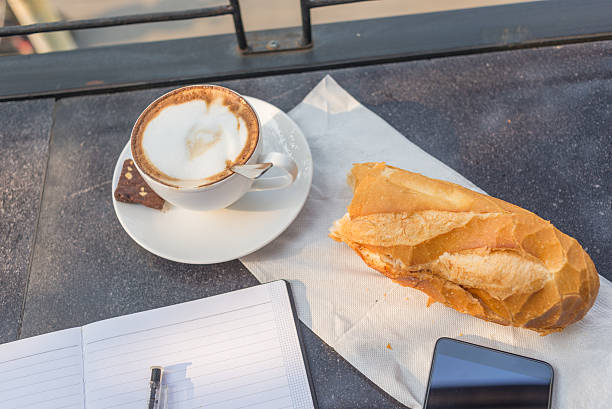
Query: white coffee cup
(229,189)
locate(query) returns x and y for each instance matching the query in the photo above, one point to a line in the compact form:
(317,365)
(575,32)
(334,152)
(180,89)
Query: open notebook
(235,350)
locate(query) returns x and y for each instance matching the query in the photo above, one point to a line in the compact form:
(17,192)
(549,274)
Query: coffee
(191,137)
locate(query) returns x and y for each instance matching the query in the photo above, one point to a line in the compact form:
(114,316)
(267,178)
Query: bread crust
(477,254)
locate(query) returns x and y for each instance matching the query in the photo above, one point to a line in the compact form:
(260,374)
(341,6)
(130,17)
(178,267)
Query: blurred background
(257,15)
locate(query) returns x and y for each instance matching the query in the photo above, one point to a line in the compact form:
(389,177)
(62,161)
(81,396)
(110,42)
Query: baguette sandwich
(474,253)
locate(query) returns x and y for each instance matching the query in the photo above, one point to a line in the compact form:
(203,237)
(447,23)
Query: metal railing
(343,44)
(307,5)
(233,9)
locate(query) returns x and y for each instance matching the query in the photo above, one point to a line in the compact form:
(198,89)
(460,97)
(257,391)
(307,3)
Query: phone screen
(465,375)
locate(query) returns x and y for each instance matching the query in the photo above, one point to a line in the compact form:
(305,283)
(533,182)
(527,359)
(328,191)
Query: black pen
(155,384)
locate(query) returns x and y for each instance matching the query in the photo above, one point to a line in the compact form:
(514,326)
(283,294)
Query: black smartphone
(469,376)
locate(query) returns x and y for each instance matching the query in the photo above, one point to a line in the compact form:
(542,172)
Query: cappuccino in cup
(191,137)
(186,142)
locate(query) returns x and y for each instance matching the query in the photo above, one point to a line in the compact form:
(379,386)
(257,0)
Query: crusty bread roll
(474,253)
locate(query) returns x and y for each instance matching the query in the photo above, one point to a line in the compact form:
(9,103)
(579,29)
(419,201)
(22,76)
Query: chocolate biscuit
(133,189)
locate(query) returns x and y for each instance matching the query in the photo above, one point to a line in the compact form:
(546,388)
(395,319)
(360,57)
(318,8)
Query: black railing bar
(306,5)
(322,3)
(120,21)
(238,26)
(306,26)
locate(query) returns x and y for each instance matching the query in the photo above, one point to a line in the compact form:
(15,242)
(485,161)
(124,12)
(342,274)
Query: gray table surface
(532,127)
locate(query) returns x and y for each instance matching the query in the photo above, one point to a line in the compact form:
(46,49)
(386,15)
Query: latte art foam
(194,140)
(192,136)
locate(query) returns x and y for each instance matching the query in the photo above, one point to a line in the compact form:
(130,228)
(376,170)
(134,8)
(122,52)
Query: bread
(474,253)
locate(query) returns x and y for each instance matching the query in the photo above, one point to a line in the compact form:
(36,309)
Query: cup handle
(281,161)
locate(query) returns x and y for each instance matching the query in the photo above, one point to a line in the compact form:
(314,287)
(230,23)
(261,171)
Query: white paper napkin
(359,312)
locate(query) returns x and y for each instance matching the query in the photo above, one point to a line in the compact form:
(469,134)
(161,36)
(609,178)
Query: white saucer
(247,225)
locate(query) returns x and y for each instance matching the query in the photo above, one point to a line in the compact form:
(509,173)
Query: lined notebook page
(43,372)
(236,350)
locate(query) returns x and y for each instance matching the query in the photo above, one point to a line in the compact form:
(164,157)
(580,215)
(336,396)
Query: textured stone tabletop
(532,127)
